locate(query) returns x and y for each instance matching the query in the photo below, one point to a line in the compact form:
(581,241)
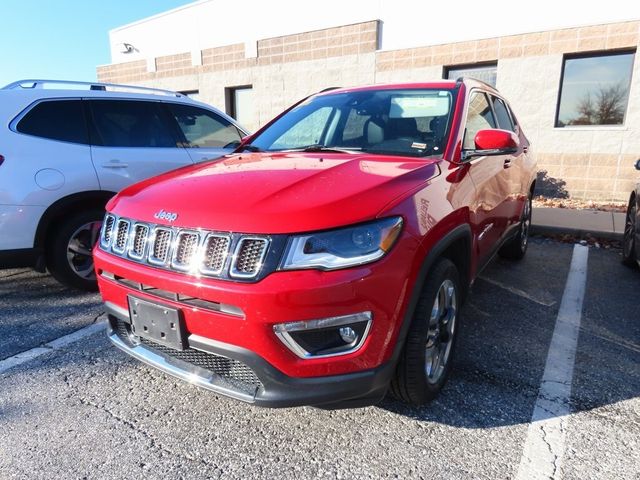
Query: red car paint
(270,193)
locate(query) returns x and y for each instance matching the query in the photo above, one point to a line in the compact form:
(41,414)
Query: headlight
(345,247)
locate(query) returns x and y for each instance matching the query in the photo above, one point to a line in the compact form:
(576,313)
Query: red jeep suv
(324,262)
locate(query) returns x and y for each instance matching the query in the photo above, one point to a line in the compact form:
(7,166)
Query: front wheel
(629,239)
(69,257)
(425,362)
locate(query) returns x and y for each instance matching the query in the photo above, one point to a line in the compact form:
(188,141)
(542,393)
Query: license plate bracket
(156,322)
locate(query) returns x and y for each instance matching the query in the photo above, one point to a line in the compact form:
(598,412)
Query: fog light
(326,337)
(348,334)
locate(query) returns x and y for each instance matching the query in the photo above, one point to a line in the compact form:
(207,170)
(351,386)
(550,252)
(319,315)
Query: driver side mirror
(493,142)
(638,164)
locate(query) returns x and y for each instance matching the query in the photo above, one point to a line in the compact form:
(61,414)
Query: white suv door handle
(114,164)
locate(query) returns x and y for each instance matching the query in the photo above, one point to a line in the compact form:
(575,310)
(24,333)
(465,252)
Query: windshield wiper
(248,146)
(323,148)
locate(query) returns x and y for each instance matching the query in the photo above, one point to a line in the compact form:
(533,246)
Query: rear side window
(504,119)
(202,128)
(480,117)
(122,123)
(57,120)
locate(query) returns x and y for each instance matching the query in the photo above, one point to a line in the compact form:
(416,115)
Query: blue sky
(64,39)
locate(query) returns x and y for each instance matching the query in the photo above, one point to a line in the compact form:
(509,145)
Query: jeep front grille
(198,252)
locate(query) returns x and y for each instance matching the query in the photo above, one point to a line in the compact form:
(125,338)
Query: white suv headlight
(342,248)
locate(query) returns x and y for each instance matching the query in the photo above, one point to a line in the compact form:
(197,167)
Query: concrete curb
(551,230)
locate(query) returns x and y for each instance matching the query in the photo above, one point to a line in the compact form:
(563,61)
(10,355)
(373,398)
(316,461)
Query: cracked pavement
(86,410)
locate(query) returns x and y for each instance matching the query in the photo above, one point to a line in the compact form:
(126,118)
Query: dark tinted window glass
(122,123)
(595,90)
(202,128)
(480,117)
(56,119)
(504,119)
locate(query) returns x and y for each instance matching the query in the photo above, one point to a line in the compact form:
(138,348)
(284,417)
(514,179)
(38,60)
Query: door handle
(507,162)
(114,164)
(525,149)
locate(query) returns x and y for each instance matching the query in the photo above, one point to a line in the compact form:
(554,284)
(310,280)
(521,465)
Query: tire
(422,371)
(69,250)
(629,239)
(516,248)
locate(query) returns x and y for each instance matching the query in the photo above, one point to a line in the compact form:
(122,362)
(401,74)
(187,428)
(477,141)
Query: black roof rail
(328,89)
(462,79)
(96,86)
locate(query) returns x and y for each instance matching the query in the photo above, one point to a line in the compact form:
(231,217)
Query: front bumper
(243,375)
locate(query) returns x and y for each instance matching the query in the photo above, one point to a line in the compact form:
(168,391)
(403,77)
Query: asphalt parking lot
(86,410)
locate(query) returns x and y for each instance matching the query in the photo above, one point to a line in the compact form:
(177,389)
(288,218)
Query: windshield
(407,122)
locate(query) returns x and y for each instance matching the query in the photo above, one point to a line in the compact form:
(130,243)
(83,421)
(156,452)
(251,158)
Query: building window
(486,72)
(594,89)
(239,104)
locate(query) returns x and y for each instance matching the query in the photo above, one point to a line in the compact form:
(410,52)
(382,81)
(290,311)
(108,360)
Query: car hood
(274,193)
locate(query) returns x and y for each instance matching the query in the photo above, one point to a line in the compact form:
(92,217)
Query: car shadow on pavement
(503,345)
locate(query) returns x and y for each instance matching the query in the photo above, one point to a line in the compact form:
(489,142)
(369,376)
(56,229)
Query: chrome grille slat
(121,237)
(159,250)
(107,230)
(249,256)
(139,241)
(186,248)
(187,251)
(216,250)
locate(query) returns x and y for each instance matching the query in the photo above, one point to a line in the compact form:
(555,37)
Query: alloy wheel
(440,335)
(79,249)
(629,231)
(525,225)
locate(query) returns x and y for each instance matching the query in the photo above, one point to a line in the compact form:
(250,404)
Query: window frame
(495,98)
(94,134)
(592,54)
(472,92)
(13,125)
(181,138)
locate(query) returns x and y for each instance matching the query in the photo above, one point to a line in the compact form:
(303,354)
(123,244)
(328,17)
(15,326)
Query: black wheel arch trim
(461,232)
(88,200)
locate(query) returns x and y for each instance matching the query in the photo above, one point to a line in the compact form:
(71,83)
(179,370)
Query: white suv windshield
(407,122)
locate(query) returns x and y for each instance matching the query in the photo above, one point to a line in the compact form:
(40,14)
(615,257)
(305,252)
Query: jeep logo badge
(168,216)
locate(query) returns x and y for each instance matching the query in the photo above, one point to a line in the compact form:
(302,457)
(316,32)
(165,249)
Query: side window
(306,132)
(202,128)
(480,117)
(130,123)
(57,120)
(504,119)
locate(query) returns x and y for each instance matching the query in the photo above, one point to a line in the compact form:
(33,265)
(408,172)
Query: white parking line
(544,448)
(49,347)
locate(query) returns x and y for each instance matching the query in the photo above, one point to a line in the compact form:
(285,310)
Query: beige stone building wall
(586,162)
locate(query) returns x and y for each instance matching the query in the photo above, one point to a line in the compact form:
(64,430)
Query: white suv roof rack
(111,87)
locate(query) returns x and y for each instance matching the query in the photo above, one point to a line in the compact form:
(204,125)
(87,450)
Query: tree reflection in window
(595,90)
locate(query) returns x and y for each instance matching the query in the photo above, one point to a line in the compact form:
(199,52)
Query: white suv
(67,147)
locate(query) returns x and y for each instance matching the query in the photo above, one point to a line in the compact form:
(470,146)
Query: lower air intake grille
(236,373)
